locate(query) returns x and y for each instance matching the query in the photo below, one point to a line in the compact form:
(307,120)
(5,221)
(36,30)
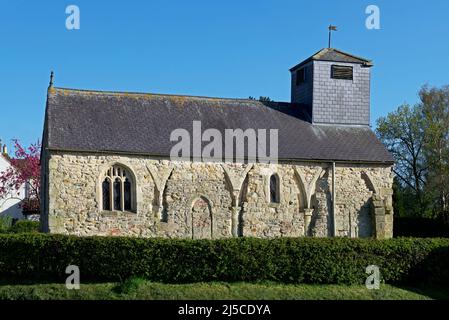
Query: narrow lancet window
(274,189)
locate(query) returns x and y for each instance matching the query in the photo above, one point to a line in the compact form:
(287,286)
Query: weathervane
(331,28)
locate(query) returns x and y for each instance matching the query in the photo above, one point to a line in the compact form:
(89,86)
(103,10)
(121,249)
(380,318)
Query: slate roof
(135,123)
(335,55)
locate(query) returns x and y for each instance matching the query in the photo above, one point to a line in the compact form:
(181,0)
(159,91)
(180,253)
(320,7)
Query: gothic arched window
(118,190)
(274,189)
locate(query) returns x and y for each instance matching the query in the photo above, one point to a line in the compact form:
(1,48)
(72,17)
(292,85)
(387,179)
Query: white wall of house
(9,204)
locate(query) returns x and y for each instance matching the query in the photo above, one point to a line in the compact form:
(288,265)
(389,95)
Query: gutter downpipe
(334,224)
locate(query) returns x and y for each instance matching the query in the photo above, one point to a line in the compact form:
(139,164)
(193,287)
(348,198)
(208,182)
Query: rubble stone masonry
(218,200)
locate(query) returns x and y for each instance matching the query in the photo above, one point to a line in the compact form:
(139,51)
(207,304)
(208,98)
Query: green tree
(261,98)
(402,133)
(398,198)
(265,99)
(418,138)
(435,110)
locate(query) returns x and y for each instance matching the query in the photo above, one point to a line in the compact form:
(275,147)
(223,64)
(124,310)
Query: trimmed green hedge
(5,223)
(299,260)
(25,226)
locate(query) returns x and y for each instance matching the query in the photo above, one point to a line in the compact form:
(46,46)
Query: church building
(107,167)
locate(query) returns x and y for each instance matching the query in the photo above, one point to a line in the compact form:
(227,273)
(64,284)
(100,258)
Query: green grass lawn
(145,290)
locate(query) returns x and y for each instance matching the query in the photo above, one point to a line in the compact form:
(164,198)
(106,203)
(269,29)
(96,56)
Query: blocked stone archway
(201,219)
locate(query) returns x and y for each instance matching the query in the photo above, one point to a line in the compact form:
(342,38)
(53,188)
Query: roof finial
(51,79)
(331,28)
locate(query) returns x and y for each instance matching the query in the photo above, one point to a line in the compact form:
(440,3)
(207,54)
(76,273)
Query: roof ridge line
(151,94)
(351,55)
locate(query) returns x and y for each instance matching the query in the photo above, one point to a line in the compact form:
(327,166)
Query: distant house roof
(13,161)
(135,123)
(6,157)
(335,55)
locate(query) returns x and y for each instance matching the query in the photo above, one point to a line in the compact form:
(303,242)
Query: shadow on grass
(432,291)
(430,276)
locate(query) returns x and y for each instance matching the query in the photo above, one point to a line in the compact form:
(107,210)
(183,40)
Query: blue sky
(213,48)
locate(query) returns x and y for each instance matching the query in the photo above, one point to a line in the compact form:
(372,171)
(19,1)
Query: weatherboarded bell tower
(334,87)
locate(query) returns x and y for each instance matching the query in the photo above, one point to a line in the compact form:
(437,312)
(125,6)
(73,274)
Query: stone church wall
(217,200)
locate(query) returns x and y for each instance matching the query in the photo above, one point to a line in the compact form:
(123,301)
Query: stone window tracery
(118,190)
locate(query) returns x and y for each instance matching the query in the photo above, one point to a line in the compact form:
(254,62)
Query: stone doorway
(202,219)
